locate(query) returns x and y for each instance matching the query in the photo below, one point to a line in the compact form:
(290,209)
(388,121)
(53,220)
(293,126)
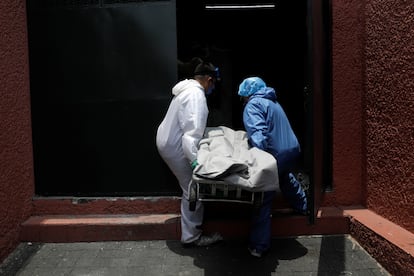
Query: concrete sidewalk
(304,255)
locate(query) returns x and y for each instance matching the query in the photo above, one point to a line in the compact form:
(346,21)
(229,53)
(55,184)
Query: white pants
(190,220)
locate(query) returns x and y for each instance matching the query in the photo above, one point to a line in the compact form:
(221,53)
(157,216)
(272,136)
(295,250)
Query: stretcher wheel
(193,196)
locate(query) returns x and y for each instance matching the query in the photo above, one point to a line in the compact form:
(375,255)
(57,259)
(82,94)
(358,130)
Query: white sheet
(224,154)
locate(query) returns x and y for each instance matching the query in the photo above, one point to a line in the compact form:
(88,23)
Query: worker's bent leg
(293,192)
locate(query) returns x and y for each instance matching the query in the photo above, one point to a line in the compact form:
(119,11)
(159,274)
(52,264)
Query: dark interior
(270,43)
(101,73)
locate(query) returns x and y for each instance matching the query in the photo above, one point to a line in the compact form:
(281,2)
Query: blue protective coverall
(268,128)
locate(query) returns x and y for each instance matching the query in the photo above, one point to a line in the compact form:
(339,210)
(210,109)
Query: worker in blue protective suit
(268,129)
(177,141)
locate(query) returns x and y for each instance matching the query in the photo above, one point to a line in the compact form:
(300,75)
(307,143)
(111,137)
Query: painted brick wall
(16,166)
(373,107)
(389,110)
(348,88)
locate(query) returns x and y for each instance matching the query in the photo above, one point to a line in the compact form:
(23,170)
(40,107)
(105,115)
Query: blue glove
(194,164)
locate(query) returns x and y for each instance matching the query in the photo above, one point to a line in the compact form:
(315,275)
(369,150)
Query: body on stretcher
(202,189)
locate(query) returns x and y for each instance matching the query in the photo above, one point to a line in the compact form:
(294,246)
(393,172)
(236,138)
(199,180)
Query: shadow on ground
(231,257)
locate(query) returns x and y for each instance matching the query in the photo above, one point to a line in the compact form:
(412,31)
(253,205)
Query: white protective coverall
(177,141)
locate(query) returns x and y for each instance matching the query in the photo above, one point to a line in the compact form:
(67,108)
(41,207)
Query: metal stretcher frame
(202,189)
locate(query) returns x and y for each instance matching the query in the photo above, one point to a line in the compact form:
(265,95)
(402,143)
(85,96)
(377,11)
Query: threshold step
(78,228)
(89,228)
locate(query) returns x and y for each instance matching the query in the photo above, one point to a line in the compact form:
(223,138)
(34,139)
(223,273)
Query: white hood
(183,125)
(185,84)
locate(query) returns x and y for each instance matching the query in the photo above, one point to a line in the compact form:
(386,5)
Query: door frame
(318,102)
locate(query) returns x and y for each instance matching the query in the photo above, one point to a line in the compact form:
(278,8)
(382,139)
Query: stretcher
(230,170)
(203,189)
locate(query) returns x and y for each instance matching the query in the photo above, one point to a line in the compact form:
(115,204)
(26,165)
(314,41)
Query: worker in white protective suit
(177,141)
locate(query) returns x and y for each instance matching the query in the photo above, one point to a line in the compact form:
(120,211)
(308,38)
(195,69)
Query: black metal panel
(101,78)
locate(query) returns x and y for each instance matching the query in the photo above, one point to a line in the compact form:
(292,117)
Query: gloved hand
(194,164)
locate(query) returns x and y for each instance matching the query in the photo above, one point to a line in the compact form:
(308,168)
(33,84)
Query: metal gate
(101,73)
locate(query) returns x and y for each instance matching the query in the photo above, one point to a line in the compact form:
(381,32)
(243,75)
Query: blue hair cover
(250,86)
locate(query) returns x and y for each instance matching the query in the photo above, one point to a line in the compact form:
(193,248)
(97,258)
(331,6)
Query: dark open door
(298,57)
(317,101)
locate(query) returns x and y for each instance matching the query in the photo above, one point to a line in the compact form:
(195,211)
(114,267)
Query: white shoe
(205,240)
(255,253)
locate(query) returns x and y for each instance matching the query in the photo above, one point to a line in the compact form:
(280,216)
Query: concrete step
(121,227)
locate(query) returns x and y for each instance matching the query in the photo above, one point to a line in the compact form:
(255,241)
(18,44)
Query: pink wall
(16,166)
(389,111)
(348,89)
(373,108)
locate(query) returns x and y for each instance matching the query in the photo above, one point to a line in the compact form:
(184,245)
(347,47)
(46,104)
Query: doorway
(287,44)
(269,42)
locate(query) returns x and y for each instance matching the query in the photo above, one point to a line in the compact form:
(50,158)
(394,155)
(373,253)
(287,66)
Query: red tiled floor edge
(71,228)
(43,206)
(390,244)
(329,220)
(79,228)
(383,227)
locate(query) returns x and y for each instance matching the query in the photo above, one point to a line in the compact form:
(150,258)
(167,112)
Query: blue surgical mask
(210,90)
